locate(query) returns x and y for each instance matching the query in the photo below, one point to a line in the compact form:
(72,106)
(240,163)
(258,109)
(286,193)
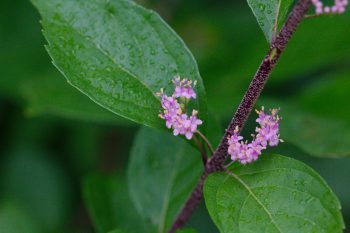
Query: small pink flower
(187,126)
(171,109)
(267,134)
(338,7)
(183,88)
(175,119)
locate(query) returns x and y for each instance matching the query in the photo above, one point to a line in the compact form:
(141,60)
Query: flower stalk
(210,147)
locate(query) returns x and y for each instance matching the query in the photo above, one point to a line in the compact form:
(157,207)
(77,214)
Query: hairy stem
(216,162)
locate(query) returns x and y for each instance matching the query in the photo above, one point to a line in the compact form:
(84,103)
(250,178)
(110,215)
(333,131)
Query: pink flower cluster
(267,134)
(183,88)
(173,113)
(338,7)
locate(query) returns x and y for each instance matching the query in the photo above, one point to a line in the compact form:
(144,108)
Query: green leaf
(163,170)
(274,194)
(317,136)
(201,221)
(15,219)
(334,171)
(327,97)
(50,94)
(109,205)
(119,54)
(270,15)
(29,77)
(320,118)
(328,46)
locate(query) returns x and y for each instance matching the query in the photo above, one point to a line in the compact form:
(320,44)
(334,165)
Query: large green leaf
(327,97)
(49,94)
(334,171)
(16,219)
(327,51)
(29,77)
(201,221)
(109,205)
(319,136)
(319,123)
(163,171)
(274,194)
(270,15)
(119,54)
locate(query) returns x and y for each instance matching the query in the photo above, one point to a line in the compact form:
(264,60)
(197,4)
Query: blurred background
(55,142)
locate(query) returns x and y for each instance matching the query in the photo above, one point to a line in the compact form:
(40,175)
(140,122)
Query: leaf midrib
(275,26)
(105,53)
(255,198)
(152,28)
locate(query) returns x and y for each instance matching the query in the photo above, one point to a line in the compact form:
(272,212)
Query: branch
(216,163)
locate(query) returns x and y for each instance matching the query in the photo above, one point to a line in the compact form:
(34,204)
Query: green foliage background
(57,146)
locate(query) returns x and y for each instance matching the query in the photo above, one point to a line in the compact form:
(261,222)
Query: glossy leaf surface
(270,15)
(274,194)
(119,54)
(163,171)
(109,205)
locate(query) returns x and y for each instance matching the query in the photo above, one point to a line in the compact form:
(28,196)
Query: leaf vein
(255,198)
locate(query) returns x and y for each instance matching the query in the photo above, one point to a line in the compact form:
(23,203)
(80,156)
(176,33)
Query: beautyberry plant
(121,54)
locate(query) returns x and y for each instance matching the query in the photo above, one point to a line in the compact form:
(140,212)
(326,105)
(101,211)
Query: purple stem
(216,163)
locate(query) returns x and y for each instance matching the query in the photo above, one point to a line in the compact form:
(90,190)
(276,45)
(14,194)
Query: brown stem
(216,162)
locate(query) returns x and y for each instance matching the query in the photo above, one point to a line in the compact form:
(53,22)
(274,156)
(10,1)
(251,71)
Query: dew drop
(165,51)
(262,7)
